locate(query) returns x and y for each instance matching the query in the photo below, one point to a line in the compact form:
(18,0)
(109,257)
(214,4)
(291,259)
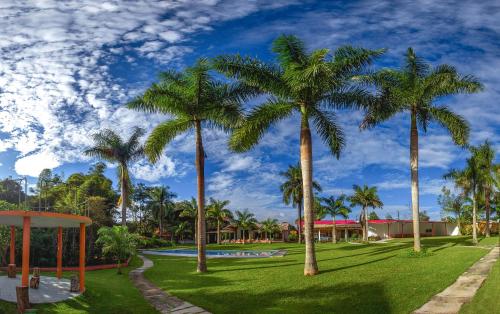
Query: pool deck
(275,253)
(51,290)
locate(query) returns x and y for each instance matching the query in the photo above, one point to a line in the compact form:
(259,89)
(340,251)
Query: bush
(153,242)
(412,254)
(293,237)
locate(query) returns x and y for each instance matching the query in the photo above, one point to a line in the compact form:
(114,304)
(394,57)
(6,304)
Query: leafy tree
(217,211)
(182,229)
(365,197)
(270,226)
(195,101)
(109,146)
(310,84)
(117,243)
(336,207)
(292,192)
(414,89)
(423,216)
(388,216)
(245,220)
(373,216)
(452,204)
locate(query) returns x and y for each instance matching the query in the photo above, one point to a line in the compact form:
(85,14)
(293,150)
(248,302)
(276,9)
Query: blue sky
(67,68)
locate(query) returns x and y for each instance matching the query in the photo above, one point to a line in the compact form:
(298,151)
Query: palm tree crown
(160,199)
(311,84)
(335,207)
(269,226)
(194,100)
(245,220)
(217,211)
(365,197)
(109,146)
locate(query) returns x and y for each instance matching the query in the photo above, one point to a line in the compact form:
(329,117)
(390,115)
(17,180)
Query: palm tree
(269,226)
(485,156)
(413,89)
(451,203)
(117,243)
(311,84)
(109,146)
(217,211)
(470,181)
(336,207)
(160,198)
(182,229)
(365,197)
(189,209)
(245,220)
(195,101)
(292,191)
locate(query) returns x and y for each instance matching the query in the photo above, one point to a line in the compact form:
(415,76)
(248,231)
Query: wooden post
(59,252)
(388,230)
(26,251)
(82,257)
(12,245)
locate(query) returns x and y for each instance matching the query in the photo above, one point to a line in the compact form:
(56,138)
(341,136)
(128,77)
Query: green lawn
(375,278)
(106,292)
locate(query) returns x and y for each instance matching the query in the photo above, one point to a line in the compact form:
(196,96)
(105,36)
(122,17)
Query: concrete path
(451,299)
(51,290)
(159,299)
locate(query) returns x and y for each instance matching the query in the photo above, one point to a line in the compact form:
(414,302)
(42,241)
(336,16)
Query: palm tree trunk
(160,221)
(365,229)
(414,181)
(487,209)
(124,196)
(299,213)
(474,219)
(334,230)
(218,232)
(310,265)
(200,171)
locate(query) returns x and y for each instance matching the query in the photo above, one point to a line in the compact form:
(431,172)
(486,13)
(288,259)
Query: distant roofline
(371,221)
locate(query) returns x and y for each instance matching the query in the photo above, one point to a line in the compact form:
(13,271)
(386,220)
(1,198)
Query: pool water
(218,253)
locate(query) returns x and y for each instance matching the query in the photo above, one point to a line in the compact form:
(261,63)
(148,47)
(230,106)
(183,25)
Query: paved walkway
(51,290)
(159,299)
(451,299)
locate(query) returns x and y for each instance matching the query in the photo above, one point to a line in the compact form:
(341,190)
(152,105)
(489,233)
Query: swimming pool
(219,253)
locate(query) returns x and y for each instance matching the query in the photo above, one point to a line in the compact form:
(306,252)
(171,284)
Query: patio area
(51,290)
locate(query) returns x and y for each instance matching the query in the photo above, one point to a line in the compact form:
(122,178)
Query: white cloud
(164,168)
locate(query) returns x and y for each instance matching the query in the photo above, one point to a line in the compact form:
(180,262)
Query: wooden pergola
(28,219)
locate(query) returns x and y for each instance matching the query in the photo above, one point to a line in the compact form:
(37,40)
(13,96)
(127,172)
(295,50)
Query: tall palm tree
(269,226)
(365,197)
(469,180)
(413,89)
(109,146)
(182,229)
(189,209)
(292,191)
(160,198)
(485,156)
(245,220)
(194,100)
(336,207)
(310,84)
(217,211)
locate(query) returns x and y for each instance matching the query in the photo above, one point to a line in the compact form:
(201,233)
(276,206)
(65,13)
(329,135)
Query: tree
(195,101)
(388,216)
(373,216)
(413,89)
(469,180)
(217,211)
(269,226)
(189,209)
(292,191)
(452,204)
(245,220)
(365,197)
(423,216)
(485,156)
(109,146)
(182,229)
(117,243)
(160,198)
(336,207)
(311,84)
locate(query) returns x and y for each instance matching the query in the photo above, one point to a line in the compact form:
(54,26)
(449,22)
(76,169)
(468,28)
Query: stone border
(451,299)
(159,299)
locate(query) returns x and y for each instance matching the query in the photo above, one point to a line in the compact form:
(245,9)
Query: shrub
(293,237)
(153,242)
(412,254)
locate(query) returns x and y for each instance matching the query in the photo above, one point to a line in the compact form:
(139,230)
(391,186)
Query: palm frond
(454,123)
(327,128)
(290,49)
(164,134)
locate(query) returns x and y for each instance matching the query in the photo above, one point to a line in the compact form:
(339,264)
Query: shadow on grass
(342,298)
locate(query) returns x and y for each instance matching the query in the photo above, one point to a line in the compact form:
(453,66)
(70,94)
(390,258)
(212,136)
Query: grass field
(107,293)
(375,278)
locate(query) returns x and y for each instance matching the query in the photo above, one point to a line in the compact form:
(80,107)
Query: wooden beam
(12,245)
(26,251)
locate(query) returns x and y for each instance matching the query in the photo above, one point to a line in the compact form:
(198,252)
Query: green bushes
(154,242)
